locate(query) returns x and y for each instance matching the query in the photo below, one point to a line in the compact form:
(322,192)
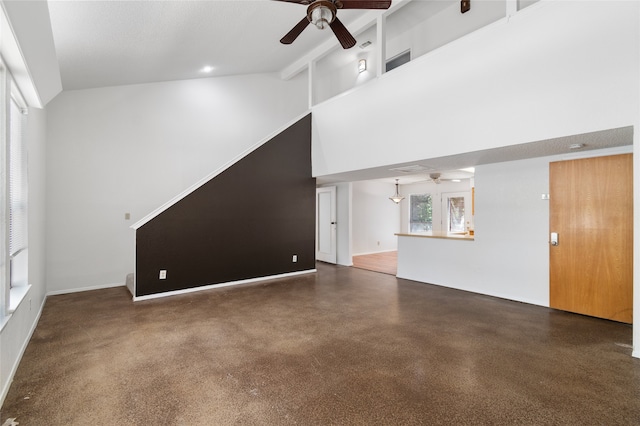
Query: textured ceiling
(107,43)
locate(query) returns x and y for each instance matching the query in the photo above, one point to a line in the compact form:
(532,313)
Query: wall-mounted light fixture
(396,198)
(362,65)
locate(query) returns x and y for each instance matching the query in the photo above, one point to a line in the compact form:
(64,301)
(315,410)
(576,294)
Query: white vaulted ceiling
(117,42)
(106,43)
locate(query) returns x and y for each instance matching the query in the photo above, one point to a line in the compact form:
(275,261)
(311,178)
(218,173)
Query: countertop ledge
(464,237)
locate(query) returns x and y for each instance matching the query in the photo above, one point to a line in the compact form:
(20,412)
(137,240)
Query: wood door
(591,210)
(326,224)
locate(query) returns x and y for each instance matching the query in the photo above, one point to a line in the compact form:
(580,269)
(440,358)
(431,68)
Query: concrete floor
(341,347)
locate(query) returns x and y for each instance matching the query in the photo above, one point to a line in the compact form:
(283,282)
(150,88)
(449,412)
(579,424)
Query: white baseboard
(14,368)
(76,290)
(227,284)
(373,252)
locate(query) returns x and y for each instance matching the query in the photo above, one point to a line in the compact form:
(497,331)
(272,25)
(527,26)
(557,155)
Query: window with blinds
(17,181)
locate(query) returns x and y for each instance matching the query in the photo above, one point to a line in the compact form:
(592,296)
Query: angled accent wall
(247,222)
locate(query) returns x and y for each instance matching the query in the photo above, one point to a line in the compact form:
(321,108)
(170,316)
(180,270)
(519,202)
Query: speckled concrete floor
(340,347)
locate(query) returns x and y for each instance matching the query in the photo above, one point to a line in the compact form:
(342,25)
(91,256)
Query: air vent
(398,60)
(415,168)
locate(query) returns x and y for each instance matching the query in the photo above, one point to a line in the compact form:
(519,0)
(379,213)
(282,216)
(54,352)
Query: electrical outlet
(163,274)
(294,259)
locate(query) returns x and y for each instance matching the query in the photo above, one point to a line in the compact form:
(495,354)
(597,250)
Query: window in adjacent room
(421,213)
(455,214)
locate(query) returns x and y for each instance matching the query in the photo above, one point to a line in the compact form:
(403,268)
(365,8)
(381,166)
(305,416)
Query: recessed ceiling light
(207,69)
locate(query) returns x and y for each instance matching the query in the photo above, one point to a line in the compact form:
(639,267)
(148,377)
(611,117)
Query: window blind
(17,181)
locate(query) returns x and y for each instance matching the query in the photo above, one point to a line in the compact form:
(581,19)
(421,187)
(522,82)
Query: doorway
(384,262)
(591,245)
(326,250)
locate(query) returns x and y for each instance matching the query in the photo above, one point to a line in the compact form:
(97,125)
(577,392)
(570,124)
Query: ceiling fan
(322,14)
(436,178)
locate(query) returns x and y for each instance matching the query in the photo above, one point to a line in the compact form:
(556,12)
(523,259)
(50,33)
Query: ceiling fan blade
(303,2)
(365,4)
(295,31)
(344,36)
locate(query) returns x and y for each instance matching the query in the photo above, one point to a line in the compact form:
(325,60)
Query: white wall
(545,72)
(419,26)
(338,72)
(28,50)
(505,84)
(425,26)
(375,218)
(16,333)
(509,257)
(129,149)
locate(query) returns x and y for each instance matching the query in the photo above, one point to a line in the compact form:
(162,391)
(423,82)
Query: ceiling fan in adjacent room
(322,14)
(437,179)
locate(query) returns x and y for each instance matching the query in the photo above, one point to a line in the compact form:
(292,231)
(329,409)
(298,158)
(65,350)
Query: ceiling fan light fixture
(321,14)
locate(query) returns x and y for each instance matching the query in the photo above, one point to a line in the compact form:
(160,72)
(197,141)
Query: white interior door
(326,224)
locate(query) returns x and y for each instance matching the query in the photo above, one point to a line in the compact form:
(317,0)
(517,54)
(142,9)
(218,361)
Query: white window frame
(410,211)
(18,176)
(4,197)
(12,291)
(446,216)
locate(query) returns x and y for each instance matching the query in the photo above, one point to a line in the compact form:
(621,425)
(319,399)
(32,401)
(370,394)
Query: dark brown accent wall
(246,222)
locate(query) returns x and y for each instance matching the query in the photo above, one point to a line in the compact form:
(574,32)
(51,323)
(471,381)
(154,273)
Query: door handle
(333,223)
(554,239)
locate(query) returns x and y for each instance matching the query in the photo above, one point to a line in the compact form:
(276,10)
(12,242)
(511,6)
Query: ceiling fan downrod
(321,13)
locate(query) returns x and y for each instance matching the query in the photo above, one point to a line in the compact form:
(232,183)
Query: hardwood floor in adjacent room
(385,262)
